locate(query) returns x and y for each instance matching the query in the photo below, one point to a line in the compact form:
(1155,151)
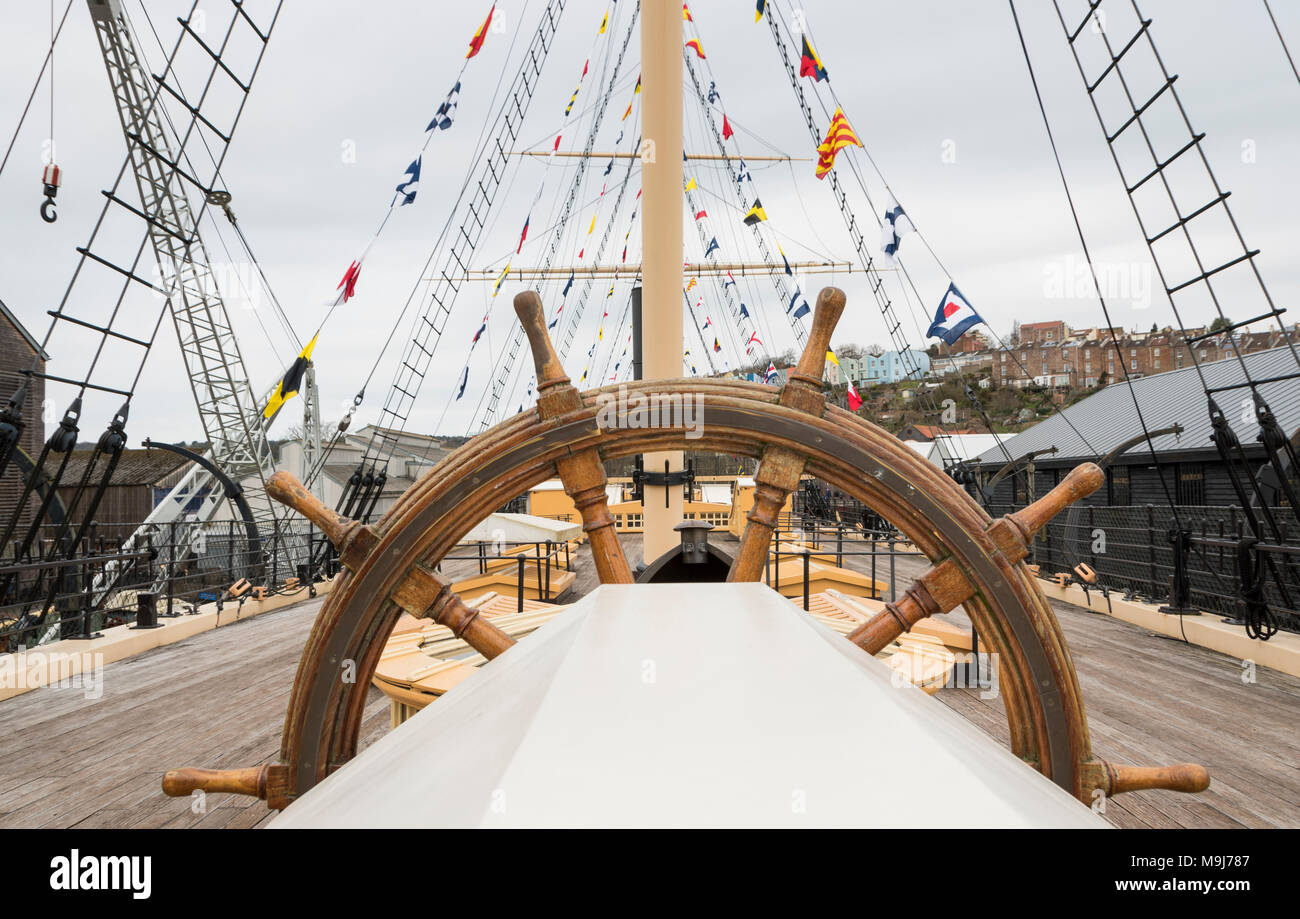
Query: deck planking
(218,700)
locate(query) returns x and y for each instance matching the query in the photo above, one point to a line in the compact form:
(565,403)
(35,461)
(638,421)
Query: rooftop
(1108,418)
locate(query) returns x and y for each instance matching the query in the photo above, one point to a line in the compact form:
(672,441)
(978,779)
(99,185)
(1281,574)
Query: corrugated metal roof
(135,467)
(1107,418)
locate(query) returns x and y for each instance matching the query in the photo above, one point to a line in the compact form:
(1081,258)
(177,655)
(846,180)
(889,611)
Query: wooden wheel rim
(1036,676)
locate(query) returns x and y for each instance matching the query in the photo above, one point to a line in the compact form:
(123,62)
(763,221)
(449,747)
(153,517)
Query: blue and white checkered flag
(446,112)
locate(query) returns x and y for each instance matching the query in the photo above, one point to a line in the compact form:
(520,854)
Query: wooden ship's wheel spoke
(978,563)
(779,468)
(582,472)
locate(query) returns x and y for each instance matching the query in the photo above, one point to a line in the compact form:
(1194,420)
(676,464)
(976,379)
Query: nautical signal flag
(716,346)
(349,282)
(712,247)
(500,278)
(754,339)
(755,214)
(810,65)
(446,112)
(801,309)
(686,13)
(699,214)
(726,127)
(291,381)
(758,11)
(744,311)
(603,23)
(638,85)
(476,43)
(839,135)
(855,401)
(770,376)
(690,183)
(896,225)
(524,234)
(833,371)
(953,317)
(694,45)
(464,378)
(409,185)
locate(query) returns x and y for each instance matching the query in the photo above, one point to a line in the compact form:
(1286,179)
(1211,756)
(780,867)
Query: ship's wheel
(977,562)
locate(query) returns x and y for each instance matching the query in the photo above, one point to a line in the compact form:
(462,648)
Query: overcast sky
(938,92)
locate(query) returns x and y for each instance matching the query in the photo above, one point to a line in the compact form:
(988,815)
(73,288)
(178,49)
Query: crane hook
(51,178)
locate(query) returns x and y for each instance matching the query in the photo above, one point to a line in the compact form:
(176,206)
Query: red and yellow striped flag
(839,135)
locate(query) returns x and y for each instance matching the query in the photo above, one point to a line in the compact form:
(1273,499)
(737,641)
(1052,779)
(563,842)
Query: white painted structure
(522,528)
(664,705)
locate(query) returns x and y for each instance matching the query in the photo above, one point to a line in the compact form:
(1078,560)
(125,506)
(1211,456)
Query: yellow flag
(501,277)
(291,381)
(604,22)
(691,184)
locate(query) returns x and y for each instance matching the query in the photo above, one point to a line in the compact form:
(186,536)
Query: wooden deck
(218,700)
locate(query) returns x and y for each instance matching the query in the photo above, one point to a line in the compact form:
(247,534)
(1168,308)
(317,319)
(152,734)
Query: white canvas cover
(654,705)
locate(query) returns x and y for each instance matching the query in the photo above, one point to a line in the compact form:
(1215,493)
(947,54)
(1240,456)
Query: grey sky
(916,79)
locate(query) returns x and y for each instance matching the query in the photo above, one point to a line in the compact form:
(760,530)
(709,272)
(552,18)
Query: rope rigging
(507,365)
(364,488)
(1226,441)
(1285,50)
(427,329)
(951,462)
(237,431)
(892,324)
(737,180)
(185,290)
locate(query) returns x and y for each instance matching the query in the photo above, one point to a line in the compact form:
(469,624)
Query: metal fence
(1137,549)
(59,590)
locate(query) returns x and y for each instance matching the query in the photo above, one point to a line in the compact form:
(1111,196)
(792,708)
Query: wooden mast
(661,260)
